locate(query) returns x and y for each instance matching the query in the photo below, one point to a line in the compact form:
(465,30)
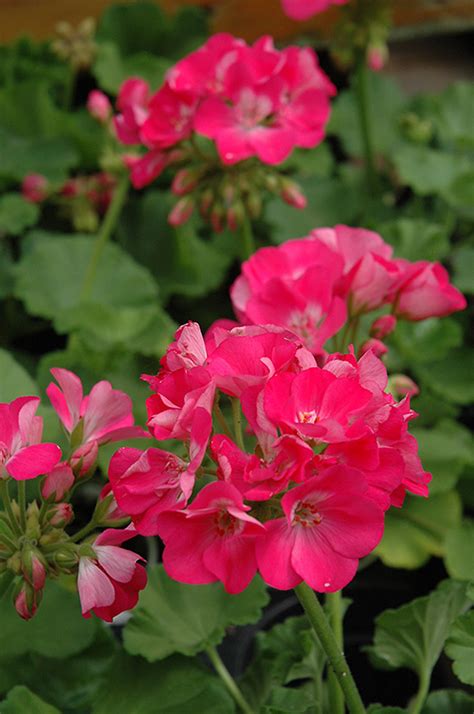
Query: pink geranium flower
(329,524)
(304,9)
(146,483)
(132,101)
(58,482)
(213,539)
(102,416)
(22,456)
(109,582)
(425,291)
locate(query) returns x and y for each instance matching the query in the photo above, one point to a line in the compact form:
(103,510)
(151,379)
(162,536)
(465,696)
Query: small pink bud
(216,217)
(377,346)
(184,182)
(383,326)
(181,211)
(27,601)
(60,515)
(377,56)
(99,106)
(34,188)
(206,200)
(292,194)
(58,482)
(70,188)
(235,215)
(108,511)
(33,568)
(403,386)
(84,458)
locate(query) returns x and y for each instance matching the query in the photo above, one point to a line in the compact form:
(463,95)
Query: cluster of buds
(35,542)
(75,45)
(363,32)
(84,199)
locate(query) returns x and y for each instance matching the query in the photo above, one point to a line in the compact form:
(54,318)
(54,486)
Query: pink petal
(95,588)
(33,461)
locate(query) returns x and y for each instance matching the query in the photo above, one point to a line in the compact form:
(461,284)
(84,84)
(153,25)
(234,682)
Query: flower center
(308,417)
(306,514)
(227,524)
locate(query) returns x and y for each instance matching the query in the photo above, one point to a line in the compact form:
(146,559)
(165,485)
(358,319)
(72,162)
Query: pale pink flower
(22,456)
(57,482)
(304,9)
(99,106)
(424,291)
(109,582)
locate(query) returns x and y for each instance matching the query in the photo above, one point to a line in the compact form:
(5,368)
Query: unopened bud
(83,459)
(254,204)
(35,188)
(376,346)
(235,215)
(206,201)
(107,511)
(292,194)
(99,106)
(216,217)
(58,482)
(181,211)
(27,601)
(67,558)
(60,514)
(383,326)
(184,182)
(33,567)
(33,530)
(400,385)
(377,56)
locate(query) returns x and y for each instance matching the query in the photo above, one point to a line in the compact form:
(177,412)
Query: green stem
(5,497)
(321,626)
(84,531)
(228,680)
(22,503)
(152,548)
(8,543)
(334,606)
(246,238)
(237,419)
(222,420)
(423,691)
(362,92)
(106,229)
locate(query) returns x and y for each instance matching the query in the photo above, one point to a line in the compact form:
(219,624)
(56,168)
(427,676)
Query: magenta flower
(213,539)
(58,482)
(99,106)
(329,524)
(304,9)
(424,291)
(109,582)
(146,483)
(102,416)
(132,101)
(22,456)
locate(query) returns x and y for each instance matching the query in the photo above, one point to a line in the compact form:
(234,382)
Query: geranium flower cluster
(34,544)
(247,101)
(320,286)
(298,494)
(82,198)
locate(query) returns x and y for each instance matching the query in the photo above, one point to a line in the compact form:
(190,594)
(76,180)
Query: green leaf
(71,684)
(6,271)
(453,119)
(417,342)
(380,709)
(290,701)
(14,379)
(20,700)
(418,530)
(459,558)
(177,685)
(428,170)
(451,377)
(172,617)
(58,629)
(51,157)
(386,103)
(448,701)
(416,238)
(414,635)
(460,194)
(16,214)
(444,451)
(111,68)
(463,263)
(182,262)
(460,647)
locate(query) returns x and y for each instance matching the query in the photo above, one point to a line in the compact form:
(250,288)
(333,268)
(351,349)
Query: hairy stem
(423,690)
(247,242)
(228,680)
(321,626)
(336,696)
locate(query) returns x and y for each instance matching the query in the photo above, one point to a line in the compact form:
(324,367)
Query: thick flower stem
(237,418)
(84,531)
(105,231)
(334,606)
(228,680)
(321,626)
(222,420)
(423,691)
(362,92)
(5,497)
(246,238)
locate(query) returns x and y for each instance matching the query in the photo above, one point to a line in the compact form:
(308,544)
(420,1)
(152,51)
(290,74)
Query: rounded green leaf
(22,701)
(16,214)
(460,647)
(448,701)
(459,557)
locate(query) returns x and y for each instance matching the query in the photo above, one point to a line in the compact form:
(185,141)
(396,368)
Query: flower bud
(58,482)
(400,385)
(35,188)
(383,326)
(99,106)
(83,459)
(33,567)
(27,601)
(235,215)
(254,204)
(67,557)
(184,181)
(292,194)
(216,217)
(107,511)
(181,211)
(33,530)
(377,56)
(376,346)
(60,514)
(205,202)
